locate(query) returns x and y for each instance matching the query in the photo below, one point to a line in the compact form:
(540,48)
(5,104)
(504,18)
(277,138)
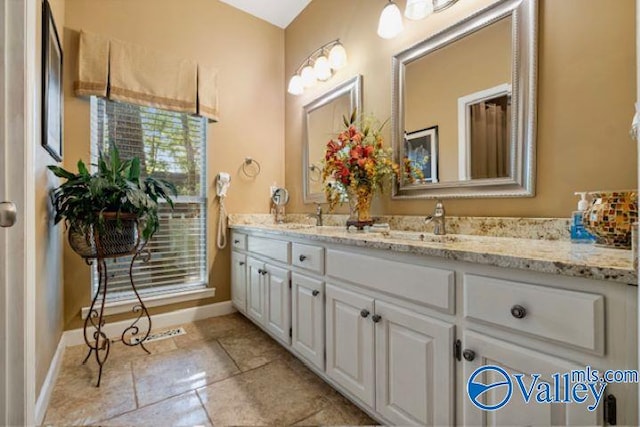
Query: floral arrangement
(356,164)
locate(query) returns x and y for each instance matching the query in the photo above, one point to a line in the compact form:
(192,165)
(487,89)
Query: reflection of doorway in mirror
(421,148)
(484,132)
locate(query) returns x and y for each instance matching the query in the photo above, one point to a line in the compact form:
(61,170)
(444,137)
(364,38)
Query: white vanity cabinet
(393,359)
(307,318)
(400,334)
(239,281)
(414,367)
(515,359)
(269,298)
(350,342)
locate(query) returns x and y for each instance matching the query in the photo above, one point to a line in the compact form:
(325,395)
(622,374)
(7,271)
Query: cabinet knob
(518,311)
(259,271)
(315,293)
(241,262)
(364,313)
(469,355)
(376,318)
(236,242)
(302,258)
(264,272)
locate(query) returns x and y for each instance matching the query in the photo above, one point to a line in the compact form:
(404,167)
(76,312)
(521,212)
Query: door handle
(8,214)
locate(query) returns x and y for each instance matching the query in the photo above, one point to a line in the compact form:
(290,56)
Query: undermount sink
(423,237)
(295,226)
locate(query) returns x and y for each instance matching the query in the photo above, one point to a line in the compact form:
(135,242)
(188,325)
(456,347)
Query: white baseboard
(113,330)
(47,387)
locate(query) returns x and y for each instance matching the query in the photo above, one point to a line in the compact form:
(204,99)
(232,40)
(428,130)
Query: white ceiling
(277,12)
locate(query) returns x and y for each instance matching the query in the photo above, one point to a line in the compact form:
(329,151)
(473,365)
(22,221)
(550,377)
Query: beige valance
(134,74)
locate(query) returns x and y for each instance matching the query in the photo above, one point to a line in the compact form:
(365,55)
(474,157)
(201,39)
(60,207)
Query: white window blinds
(170,146)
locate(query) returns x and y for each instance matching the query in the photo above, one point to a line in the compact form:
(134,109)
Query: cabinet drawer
(425,285)
(308,257)
(238,241)
(570,317)
(275,249)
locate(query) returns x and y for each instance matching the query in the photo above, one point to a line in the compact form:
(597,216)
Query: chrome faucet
(317,215)
(438,219)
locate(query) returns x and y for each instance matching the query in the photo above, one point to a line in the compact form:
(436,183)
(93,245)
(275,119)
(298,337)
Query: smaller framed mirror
(323,120)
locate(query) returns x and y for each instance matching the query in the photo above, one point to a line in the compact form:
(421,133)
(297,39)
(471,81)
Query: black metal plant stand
(94,335)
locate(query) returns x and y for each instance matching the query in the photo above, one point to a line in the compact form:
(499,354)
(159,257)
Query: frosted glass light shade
(418,9)
(308,76)
(390,24)
(321,68)
(296,87)
(338,57)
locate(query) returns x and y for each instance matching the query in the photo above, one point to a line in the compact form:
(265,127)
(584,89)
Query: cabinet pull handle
(315,293)
(302,258)
(364,313)
(469,355)
(518,311)
(241,262)
(376,318)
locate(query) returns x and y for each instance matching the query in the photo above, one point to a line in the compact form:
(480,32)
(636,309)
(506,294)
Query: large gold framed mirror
(464,107)
(323,121)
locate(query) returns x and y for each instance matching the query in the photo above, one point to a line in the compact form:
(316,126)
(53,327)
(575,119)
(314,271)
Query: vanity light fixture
(391,25)
(320,65)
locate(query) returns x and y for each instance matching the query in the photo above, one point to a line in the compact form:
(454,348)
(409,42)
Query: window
(170,146)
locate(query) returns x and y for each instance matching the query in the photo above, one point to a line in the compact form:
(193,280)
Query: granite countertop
(546,256)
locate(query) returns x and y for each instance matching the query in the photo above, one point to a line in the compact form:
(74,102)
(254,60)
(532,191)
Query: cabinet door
(515,359)
(307,298)
(255,292)
(350,349)
(239,281)
(278,300)
(414,367)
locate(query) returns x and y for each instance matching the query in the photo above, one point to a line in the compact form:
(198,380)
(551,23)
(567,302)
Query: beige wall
(586,92)
(48,256)
(249,54)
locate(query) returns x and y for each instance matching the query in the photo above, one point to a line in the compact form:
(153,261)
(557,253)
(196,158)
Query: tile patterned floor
(224,371)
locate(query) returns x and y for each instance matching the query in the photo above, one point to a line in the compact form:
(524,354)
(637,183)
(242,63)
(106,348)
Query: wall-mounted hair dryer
(223,181)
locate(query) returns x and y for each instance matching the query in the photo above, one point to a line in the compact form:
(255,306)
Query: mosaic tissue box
(611,216)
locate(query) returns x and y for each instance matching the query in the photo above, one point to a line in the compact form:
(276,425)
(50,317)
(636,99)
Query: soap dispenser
(578,233)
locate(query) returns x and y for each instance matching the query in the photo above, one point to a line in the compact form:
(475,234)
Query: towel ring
(315,177)
(248,161)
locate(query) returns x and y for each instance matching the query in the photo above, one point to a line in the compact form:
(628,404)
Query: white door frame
(18,138)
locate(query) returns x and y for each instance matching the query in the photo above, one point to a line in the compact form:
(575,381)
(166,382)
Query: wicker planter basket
(119,236)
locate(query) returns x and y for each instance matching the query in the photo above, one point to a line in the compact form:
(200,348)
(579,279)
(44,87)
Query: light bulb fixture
(308,76)
(338,56)
(318,67)
(296,87)
(390,24)
(322,68)
(418,9)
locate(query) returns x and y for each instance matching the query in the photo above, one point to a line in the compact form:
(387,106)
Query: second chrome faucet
(438,219)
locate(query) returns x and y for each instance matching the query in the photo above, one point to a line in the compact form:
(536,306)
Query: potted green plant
(113,209)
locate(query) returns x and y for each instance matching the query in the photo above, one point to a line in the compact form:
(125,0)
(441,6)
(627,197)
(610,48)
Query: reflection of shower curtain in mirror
(489,140)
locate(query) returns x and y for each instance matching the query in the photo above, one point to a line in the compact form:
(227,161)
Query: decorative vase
(360,204)
(119,235)
(610,217)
